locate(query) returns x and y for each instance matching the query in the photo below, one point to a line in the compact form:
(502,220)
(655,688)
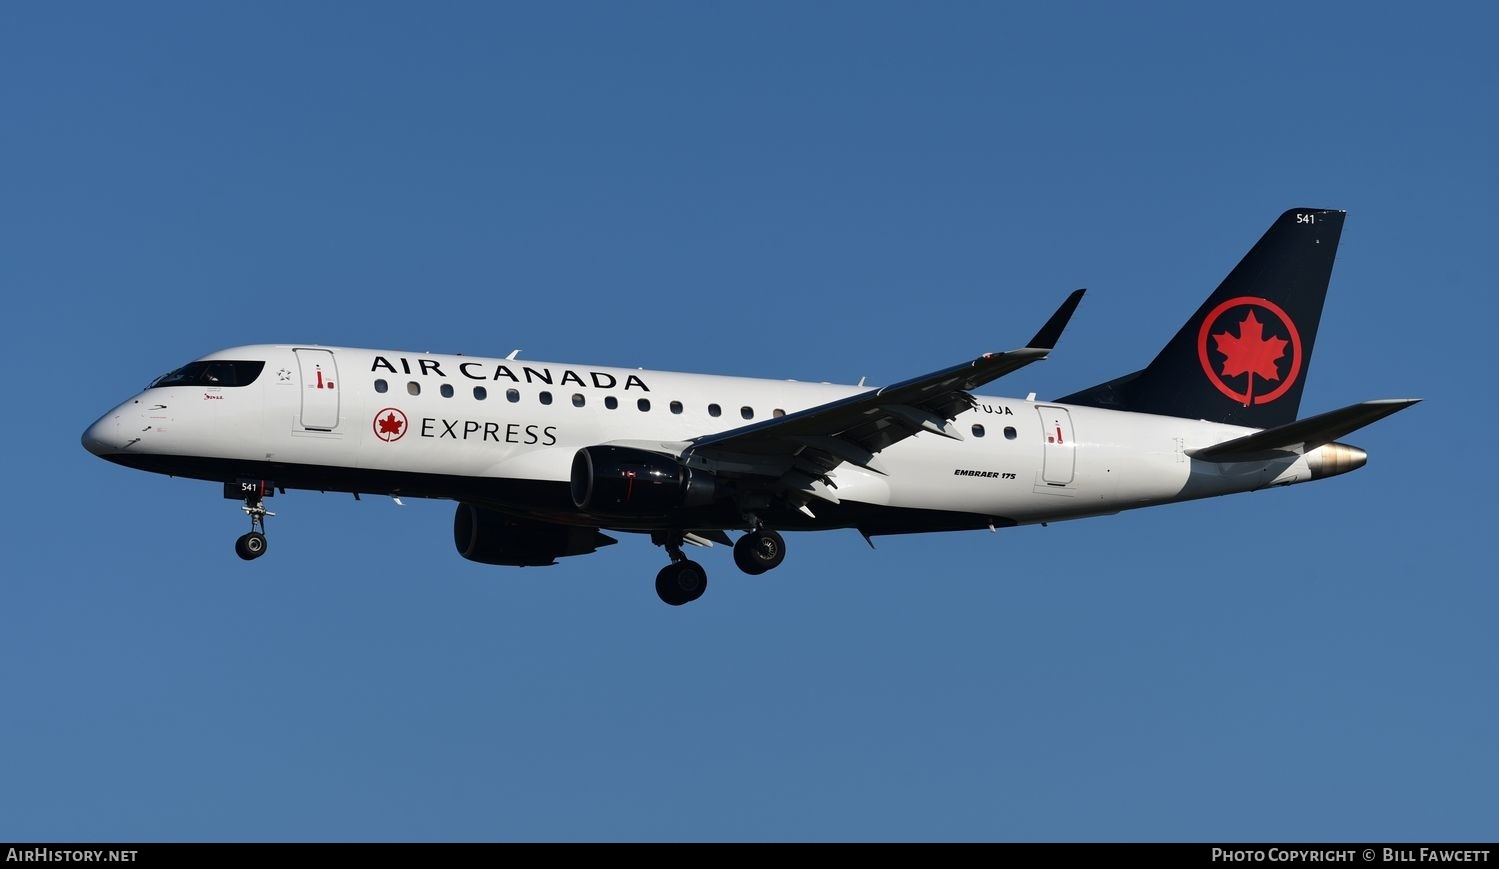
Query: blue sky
(816,191)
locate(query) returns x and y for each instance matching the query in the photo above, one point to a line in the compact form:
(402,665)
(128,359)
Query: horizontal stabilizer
(1302,435)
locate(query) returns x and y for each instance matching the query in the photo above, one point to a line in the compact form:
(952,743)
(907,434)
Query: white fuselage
(392,422)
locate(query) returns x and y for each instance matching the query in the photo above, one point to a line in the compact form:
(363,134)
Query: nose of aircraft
(103,437)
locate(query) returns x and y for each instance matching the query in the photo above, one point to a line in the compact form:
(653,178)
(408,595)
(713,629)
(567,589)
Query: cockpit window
(217,372)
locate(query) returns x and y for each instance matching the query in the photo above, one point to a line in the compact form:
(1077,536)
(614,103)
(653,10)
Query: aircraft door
(1057,464)
(319,395)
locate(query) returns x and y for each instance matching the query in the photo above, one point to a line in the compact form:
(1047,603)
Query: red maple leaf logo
(1250,353)
(391,425)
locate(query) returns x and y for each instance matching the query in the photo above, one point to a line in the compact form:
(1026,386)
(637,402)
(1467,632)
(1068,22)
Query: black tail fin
(1243,357)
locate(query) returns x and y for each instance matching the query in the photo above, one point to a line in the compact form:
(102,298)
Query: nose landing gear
(251,545)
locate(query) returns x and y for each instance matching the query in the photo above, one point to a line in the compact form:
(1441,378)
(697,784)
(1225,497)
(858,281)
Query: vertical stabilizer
(1243,357)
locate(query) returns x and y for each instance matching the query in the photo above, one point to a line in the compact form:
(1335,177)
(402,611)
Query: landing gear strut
(759,550)
(252,545)
(682,581)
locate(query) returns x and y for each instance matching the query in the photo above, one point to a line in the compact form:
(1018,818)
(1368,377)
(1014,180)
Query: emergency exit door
(319,389)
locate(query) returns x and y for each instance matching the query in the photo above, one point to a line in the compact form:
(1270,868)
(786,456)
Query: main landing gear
(684,580)
(759,551)
(251,546)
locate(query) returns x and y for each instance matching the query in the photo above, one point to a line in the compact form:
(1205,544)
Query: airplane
(542,458)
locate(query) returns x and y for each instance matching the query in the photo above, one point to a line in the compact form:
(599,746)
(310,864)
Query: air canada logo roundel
(1250,350)
(390,425)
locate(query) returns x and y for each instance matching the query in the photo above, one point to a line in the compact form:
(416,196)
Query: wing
(795,452)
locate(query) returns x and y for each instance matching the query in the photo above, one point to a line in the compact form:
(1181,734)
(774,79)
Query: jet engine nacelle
(629,482)
(490,537)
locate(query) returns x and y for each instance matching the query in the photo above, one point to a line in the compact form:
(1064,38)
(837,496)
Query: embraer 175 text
(542,458)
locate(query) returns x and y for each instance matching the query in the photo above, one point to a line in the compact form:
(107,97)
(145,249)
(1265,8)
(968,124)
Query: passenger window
(512,395)
(413,388)
(381,386)
(546,397)
(676,407)
(747,412)
(480,393)
(1009,432)
(611,402)
(778,412)
(714,410)
(578,399)
(643,404)
(978,430)
(446,390)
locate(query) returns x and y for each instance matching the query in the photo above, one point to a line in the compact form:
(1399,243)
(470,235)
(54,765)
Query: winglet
(1047,337)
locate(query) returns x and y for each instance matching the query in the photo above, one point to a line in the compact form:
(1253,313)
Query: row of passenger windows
(978,431)
(513,396)
(579,400)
